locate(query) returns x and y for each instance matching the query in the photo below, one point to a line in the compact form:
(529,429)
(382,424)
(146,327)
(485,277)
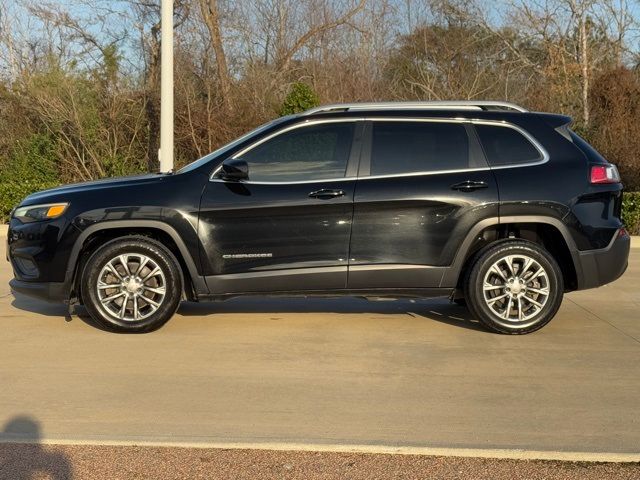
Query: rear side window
(506,146)
(406,147)
(305,153)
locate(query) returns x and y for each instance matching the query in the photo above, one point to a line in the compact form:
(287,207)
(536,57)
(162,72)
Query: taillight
(604,174)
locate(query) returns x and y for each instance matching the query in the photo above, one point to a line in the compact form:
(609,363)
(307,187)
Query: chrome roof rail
(432,105)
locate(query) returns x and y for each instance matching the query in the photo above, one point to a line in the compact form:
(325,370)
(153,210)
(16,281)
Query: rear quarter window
(506,146)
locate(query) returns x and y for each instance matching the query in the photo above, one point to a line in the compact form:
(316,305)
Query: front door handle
(469,186)
(326,193)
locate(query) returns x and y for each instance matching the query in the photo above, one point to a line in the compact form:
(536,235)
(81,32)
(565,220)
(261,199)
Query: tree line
(80,79)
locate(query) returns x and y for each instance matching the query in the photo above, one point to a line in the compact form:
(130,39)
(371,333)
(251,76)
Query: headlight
(34,213)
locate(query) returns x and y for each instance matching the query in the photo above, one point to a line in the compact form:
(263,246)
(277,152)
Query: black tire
(520,297)
(167,284)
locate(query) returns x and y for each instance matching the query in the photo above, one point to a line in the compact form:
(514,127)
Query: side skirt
(375,293)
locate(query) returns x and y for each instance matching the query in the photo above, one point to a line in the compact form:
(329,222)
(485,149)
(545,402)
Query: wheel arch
(549,232)
(101,233)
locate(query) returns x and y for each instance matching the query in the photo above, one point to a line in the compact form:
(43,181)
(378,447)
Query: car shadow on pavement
(440,310)
(22,456)
(40,307)
(57,310)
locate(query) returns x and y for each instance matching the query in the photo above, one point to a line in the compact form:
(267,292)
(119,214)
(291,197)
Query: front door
(422,185)
(287,227)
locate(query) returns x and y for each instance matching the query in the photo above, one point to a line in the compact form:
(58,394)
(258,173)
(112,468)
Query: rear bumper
(605,265)
(48,291)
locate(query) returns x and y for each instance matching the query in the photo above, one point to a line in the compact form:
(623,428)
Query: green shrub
(300,98)
(631,212)
(11,193)
(29,167)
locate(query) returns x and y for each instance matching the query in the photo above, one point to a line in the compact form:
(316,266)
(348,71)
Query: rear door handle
(326,193)
(469,186)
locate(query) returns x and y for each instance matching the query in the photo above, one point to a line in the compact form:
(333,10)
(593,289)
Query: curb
(507,454)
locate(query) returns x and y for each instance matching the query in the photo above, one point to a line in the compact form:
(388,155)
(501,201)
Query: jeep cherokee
(499,208)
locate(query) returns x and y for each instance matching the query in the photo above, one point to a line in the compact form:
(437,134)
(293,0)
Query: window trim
(361,149)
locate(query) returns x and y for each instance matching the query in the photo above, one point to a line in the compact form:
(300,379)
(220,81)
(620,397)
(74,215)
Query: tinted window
(306,153)
(405,147)
(506,146)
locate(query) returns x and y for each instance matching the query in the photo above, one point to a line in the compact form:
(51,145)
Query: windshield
(229,146)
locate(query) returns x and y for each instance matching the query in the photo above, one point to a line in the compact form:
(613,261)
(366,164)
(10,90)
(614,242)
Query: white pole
(166,88)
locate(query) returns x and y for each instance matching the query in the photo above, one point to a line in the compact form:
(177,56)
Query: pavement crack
(605,321)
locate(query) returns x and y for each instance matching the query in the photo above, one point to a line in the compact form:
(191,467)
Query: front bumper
(605,265)
(38,253)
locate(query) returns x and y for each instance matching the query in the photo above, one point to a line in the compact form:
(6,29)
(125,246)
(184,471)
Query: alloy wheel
(516,289)
(131,287)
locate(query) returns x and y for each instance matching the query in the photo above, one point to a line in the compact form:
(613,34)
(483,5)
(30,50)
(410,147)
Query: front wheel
(132,284)
(514,287)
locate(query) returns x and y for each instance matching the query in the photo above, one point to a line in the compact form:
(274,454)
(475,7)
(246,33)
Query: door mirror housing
(234,170)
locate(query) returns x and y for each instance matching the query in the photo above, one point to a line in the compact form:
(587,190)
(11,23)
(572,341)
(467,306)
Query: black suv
(500,209)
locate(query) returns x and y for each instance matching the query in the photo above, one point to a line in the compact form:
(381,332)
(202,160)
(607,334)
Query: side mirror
(234,170)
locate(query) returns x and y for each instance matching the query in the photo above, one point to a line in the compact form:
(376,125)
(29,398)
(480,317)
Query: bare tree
(211,16)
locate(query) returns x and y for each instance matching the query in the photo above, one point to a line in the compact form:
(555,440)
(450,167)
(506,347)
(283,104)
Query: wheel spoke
(495,269)
(151,274)
(113,270)
(509,261)
(493,300)
(519,309)
(529,262)
(123,308)
(143,262)
(490,286)
(540,291)
(159,291)
(124,260)
(531,300)
(112,297)
(150,302)
(507,310)
(537,273)
(135,308)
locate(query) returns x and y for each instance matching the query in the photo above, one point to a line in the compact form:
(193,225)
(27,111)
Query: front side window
(409,147)
(306,153)
(506,146)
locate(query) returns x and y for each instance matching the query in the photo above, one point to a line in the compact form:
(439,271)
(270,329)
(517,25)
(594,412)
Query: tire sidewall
(159,254)
(476,279)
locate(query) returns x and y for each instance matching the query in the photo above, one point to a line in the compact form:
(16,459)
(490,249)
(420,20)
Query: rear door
(422,185)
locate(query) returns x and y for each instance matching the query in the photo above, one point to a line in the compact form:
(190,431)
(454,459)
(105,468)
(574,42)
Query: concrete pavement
(338,372)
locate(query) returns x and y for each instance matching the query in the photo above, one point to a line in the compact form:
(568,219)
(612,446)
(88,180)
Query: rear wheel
(514,287)
(132,284)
